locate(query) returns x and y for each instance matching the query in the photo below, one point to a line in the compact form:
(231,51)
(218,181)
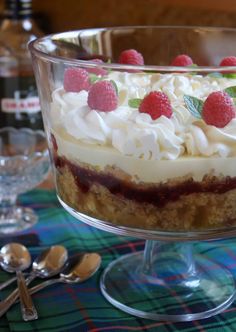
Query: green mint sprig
(230,75)
(134,103)
(215,75)
(220,75)
(109,69)
(194,106)
(231,91)
(115,86)
(194,65)
(93,78)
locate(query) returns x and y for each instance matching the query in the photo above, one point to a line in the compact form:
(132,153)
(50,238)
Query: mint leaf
(94,78)
(115,86)
(230,75)
(194,105)
(194,65)
(219,75)
(149,72)
(231,91)
(135,102)
(215,74)
(109,70)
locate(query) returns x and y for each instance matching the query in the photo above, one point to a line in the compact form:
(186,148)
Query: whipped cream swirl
(136,134)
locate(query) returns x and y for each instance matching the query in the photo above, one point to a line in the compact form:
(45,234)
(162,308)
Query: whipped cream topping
(136,134)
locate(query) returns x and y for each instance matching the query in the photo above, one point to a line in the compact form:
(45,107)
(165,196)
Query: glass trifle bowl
(141,129)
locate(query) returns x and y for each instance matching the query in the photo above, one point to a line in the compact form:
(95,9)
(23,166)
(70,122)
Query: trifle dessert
(144,149)
(141,127)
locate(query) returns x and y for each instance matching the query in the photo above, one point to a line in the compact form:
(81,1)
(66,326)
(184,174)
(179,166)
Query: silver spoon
(16,258)
(49,263)
(79,268)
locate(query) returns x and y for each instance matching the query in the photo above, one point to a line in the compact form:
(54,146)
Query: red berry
(131,57)
(218,109)
(182,60)
(228,61)
(102,96)
(156,104)
(97,70)
(76,79)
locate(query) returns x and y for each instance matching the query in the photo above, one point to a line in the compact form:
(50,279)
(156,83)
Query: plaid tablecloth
(81,307)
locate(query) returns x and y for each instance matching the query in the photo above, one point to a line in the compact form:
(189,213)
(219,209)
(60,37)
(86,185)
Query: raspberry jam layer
(157,195)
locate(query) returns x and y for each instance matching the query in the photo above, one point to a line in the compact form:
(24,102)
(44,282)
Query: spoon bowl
(50,262)
(15,258)
(79,268)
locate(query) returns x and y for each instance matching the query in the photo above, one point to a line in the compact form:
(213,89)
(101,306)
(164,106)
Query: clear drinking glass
(24,163)
(121,166)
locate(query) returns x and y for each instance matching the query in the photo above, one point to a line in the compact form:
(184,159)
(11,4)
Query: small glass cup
(24,163)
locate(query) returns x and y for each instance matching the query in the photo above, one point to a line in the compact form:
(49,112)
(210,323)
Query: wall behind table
(59,15)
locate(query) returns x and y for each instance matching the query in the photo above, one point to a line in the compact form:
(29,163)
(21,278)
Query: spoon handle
(11,299)
(9,281)
(44,284)
(27,307)
(40,286)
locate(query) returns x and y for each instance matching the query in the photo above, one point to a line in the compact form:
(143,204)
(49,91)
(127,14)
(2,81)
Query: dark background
(61,15)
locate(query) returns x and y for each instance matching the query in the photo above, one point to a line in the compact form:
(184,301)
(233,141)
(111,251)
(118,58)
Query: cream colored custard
(141,170)
(148,150)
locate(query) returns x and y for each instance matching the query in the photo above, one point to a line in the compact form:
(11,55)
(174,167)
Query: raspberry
(228,61)
(218,109)
(156,104)
(76,79)
(131,57)
(182,60)
(102,96)
(97,70)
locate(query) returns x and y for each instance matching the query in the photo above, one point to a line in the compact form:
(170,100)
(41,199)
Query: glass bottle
(19,102)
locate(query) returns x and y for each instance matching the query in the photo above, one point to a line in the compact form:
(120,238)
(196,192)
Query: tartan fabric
(81,307)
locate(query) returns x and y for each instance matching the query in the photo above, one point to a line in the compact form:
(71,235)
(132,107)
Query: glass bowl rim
(34,49)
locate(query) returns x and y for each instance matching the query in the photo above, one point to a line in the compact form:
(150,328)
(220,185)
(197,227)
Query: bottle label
(20,105)
(19,95)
